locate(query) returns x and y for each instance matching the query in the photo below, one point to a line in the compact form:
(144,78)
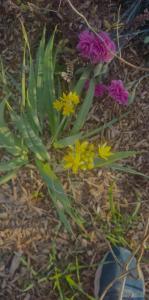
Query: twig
(92,29)
(117,31)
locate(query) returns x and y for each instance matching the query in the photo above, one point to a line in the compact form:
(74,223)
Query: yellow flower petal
(58,105)
(68,109)
(80,157)
(104,151)
(74,98)
(67,103)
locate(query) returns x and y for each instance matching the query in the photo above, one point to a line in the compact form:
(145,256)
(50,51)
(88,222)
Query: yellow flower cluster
(81,156)
(67,103)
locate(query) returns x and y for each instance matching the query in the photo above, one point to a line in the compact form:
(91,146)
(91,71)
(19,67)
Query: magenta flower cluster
(100,88)
(96,48)
(116,91)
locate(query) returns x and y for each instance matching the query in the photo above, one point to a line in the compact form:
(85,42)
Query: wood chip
(15,263)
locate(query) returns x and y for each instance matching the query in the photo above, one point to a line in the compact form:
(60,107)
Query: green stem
(58,129)
(101,128)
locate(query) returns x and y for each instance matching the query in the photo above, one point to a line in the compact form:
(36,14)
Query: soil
(34,247)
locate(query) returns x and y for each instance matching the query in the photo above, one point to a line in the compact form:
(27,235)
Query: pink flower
(118,92)
(86,40)
(106,47)
(100,89)
(96,48)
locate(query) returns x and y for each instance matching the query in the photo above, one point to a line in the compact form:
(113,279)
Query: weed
(65,281)
(119,223)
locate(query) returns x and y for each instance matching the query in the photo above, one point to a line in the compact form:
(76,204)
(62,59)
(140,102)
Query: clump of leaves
(32,131)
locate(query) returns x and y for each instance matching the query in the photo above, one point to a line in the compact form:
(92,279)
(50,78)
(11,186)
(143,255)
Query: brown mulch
(29,226)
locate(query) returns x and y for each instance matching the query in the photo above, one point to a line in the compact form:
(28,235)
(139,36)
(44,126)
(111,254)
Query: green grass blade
(25,37)
(7,139)
(7,177)
(98,69)
(81,82)
(3,74)
(103,127)
(100,129)
(39,72)
(75,285)
(31,139)
(135,85)
(4,82)
(127,169)
(84,109)
(113,209)
(12,164)
(40,56)
(23,79)
(49,86)
(9,142)
(70,140)
(59,198)
(31,106)
(99,162)
(2,108)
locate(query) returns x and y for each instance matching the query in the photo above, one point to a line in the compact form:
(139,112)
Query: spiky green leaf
(7,177)
(67,141)
(13,164)
(31,139)
(49,86)
(59,197)
(31,106)
(7,139)
(81,82)
(84,109)
(127,169)
(99,162)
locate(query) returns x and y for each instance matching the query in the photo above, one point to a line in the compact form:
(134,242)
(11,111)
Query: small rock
(84,243)
(90,253)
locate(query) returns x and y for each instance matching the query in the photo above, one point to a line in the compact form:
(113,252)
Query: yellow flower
(74,97)
(68,108)
(104,151)
(72,161)
(81,147)
(67,103)
(80,157)
(58,105)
